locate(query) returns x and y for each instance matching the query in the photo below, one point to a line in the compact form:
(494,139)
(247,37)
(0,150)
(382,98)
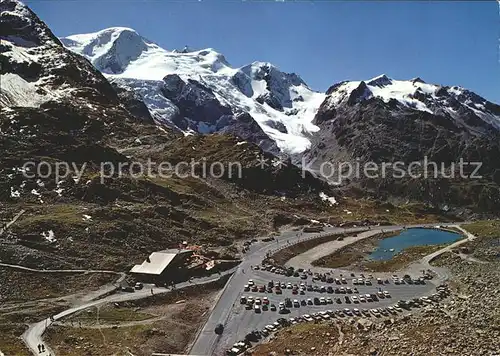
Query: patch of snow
(86,217)
(14,193)
(18,92)
(330,200)
(241,143)
(49,236)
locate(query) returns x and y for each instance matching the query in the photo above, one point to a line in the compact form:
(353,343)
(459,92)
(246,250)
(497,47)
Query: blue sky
(450,43)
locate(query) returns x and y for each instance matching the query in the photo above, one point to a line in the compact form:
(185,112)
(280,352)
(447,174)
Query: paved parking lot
(243,321)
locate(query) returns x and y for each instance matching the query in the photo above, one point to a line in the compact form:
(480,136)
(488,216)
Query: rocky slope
(57,108)
(385,120)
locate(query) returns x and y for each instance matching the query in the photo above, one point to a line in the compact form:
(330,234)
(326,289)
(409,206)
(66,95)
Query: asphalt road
(238,322)
(33,335)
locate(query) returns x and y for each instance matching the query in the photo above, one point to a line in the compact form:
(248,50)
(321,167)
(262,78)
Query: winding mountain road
(32,337)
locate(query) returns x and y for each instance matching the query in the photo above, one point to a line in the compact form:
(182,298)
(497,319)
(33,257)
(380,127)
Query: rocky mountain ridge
(56,108)
(199,92)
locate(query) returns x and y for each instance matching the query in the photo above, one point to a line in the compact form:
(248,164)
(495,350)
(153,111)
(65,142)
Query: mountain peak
(110,50)
(418,80)
(380,81)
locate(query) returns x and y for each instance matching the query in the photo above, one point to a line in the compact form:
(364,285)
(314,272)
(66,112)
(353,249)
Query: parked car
(284,310)
(219,329)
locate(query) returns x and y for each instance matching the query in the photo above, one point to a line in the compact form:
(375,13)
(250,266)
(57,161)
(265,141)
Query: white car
(256,308)
(250,282)
(356,311)
(354,299)
(258,301)
(386,294)
(307,317)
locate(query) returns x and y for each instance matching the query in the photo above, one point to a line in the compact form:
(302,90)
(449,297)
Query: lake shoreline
(357,256)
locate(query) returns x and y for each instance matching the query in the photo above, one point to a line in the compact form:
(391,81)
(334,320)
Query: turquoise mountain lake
(410,238)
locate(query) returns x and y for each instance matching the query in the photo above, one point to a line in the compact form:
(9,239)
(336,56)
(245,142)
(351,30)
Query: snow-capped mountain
(199,90)
(36,68)
(459,104)
(386,121)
